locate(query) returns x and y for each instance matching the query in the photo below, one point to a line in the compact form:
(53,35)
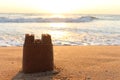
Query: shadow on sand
(50,75)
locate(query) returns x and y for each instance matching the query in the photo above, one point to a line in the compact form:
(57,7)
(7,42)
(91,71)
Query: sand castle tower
(37,54)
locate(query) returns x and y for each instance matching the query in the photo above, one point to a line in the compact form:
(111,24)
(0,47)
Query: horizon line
(60,13)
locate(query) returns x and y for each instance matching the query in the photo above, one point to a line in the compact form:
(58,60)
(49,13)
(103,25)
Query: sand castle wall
(37,54)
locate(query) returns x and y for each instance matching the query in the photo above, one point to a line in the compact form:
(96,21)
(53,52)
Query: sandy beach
(72,63)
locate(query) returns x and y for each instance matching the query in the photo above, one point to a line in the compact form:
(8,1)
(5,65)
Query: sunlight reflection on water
(94,33)
(58,25)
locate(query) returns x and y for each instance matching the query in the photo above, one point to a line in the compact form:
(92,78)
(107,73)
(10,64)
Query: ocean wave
(34,19)
(37,18)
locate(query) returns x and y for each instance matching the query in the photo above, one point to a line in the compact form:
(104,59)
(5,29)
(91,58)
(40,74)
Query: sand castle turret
(37,54)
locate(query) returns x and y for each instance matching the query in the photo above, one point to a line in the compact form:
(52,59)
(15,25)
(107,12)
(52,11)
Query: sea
(65,29)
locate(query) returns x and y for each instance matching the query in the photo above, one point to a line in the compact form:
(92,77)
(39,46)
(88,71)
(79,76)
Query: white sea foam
(81,29)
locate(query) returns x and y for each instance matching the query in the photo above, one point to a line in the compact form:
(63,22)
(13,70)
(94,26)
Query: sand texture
(71,63)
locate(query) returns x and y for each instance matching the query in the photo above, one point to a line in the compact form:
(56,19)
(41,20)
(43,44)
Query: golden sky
(61,6)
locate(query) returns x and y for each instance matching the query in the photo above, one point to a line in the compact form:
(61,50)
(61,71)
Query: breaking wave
(39,19)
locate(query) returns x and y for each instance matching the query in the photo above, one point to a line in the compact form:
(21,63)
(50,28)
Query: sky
(61,6)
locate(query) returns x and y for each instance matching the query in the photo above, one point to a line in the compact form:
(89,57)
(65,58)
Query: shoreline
(74,63)
(66,45)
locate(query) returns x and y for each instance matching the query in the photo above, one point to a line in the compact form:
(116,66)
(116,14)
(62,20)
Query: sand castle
(37,54)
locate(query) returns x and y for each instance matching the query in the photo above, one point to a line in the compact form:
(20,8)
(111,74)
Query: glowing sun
(54,6)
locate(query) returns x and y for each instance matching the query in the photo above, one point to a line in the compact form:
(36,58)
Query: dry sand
(73,62)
